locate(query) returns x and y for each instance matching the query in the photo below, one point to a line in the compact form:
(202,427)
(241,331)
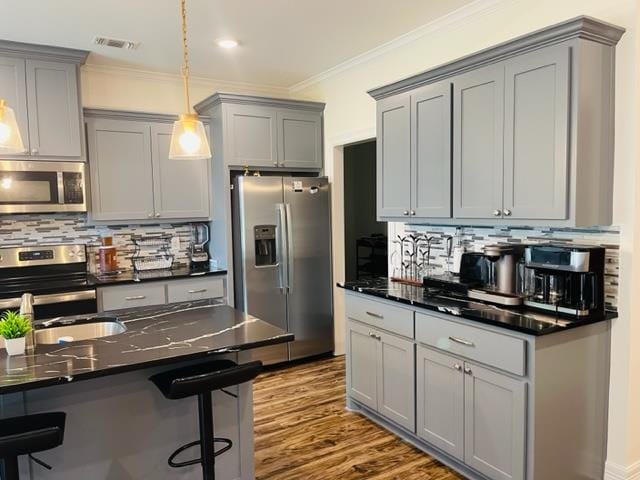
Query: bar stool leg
(10,469)
(205,414)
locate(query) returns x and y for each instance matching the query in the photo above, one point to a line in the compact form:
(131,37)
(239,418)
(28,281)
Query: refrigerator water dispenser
(265,245)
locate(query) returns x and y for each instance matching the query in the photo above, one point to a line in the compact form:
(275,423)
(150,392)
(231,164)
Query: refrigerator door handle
(281,248)
(290,254)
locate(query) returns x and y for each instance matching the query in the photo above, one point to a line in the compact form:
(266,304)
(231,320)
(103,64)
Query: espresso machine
(566,279)
(198,252)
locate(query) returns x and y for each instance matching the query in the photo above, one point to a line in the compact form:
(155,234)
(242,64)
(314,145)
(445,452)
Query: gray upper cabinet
(54,110)
(132,177)
(299,139)
(536,142)
(180,188)
(13,88)
(394,156)
(431,151)
(440,400)
(252,136)
(120,169)
(41,84)
(495,423)
(531,130)
(362,376)
(478,99)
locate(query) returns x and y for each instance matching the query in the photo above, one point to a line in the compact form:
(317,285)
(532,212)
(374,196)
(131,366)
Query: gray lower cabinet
(495,418)
(132,177)
(478,103)
(299,139)
(251,136)
(394,157)
(380,373)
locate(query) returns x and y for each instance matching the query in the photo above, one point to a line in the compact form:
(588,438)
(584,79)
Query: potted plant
(14,329)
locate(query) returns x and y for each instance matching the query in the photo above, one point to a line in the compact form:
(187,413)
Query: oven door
(54,305)
(36,187)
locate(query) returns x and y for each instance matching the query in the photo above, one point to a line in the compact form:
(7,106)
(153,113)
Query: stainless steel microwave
(40,187)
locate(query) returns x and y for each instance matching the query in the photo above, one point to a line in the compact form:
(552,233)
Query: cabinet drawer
(381,315)
(194,289)
(127,296)
(500,351)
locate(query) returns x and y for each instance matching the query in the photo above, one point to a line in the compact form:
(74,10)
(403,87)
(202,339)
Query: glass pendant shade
(189,139)
(10,139)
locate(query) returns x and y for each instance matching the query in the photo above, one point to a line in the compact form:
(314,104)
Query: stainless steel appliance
(564,278)
(55,275)
(198,254)
(28,187)
(282,260)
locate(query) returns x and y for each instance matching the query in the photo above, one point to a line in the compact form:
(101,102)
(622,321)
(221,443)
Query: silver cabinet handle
(150,215)
(373,335)
(374,315)
(496,213)
(405,213)
(461,341)
(507,212)
(468,371)
(34,151)
(457,366)
(157,215)
(136,297)
(412,212)
(198,290)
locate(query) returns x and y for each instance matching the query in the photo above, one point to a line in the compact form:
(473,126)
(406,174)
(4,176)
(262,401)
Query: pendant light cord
(185,55)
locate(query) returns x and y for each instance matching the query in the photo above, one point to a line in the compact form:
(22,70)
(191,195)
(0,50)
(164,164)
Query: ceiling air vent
(116,43)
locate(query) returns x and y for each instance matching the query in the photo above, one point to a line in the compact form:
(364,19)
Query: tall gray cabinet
(41,84)
(526,139)
(132,178)
(263,134)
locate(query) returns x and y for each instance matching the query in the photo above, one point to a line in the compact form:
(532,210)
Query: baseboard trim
(614,471)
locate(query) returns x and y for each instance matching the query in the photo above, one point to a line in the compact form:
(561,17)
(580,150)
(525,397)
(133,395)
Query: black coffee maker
(566,279)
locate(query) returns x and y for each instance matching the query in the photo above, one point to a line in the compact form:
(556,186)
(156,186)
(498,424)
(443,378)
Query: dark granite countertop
(520,319)
(129,276)
(155,336)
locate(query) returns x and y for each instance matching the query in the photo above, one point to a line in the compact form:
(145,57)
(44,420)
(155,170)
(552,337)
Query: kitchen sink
(79,330)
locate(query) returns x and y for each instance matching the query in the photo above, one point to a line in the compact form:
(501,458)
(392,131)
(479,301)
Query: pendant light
(188,138)
(10,139)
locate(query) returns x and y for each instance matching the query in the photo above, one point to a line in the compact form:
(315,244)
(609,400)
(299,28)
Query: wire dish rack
(152,252)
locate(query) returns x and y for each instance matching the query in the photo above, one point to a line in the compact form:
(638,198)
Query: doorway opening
(365,238)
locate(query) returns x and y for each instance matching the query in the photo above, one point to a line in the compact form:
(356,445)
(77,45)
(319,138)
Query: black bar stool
(201,380)
(29,434)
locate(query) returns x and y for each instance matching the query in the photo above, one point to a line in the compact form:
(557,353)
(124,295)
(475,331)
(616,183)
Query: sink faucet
(26,310)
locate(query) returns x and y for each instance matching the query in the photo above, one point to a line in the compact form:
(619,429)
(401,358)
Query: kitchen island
(118,425)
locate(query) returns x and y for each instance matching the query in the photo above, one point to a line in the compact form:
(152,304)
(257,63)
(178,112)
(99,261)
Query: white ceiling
(282,42)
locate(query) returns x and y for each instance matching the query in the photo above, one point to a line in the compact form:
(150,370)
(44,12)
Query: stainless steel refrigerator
(282,260)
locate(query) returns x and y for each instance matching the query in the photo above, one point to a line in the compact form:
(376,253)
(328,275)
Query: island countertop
(155,336)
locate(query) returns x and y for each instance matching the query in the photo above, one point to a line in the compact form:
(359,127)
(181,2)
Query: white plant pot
(15,346)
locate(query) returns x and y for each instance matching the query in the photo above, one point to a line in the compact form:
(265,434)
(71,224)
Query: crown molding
(582,27)
(43,52)
(613,471)
(221,97)
(172,78)
(460,15)
(133,115)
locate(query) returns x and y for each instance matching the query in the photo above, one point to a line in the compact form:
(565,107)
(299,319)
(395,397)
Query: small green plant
(13,325)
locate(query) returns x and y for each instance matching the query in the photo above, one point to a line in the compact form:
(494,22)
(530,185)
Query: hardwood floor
(303,431)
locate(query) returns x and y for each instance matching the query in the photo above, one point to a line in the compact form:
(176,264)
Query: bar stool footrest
(228,444)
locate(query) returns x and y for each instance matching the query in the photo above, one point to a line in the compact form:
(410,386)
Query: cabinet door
(299,139)
(362,348)
(396,380)
(431,151)
(440,401)
(120,167)
(14,90)
(478,99)
(495,423)
(252,136)
(180,187)
(54,112)
(394,156)
(536,155)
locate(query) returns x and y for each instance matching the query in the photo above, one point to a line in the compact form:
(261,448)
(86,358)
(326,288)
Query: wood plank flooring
(303,431)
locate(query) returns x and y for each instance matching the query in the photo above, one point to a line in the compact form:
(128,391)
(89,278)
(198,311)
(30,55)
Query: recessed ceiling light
(227,43)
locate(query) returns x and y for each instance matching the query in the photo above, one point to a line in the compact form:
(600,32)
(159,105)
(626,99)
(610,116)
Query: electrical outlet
(175,245)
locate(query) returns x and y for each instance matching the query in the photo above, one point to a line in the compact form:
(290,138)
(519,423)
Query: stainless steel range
(55,275)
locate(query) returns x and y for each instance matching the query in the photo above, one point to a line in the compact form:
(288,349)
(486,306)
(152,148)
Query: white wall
(350,116)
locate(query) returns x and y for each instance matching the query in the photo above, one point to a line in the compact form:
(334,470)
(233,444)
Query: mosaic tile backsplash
(473,238)
(49,229)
